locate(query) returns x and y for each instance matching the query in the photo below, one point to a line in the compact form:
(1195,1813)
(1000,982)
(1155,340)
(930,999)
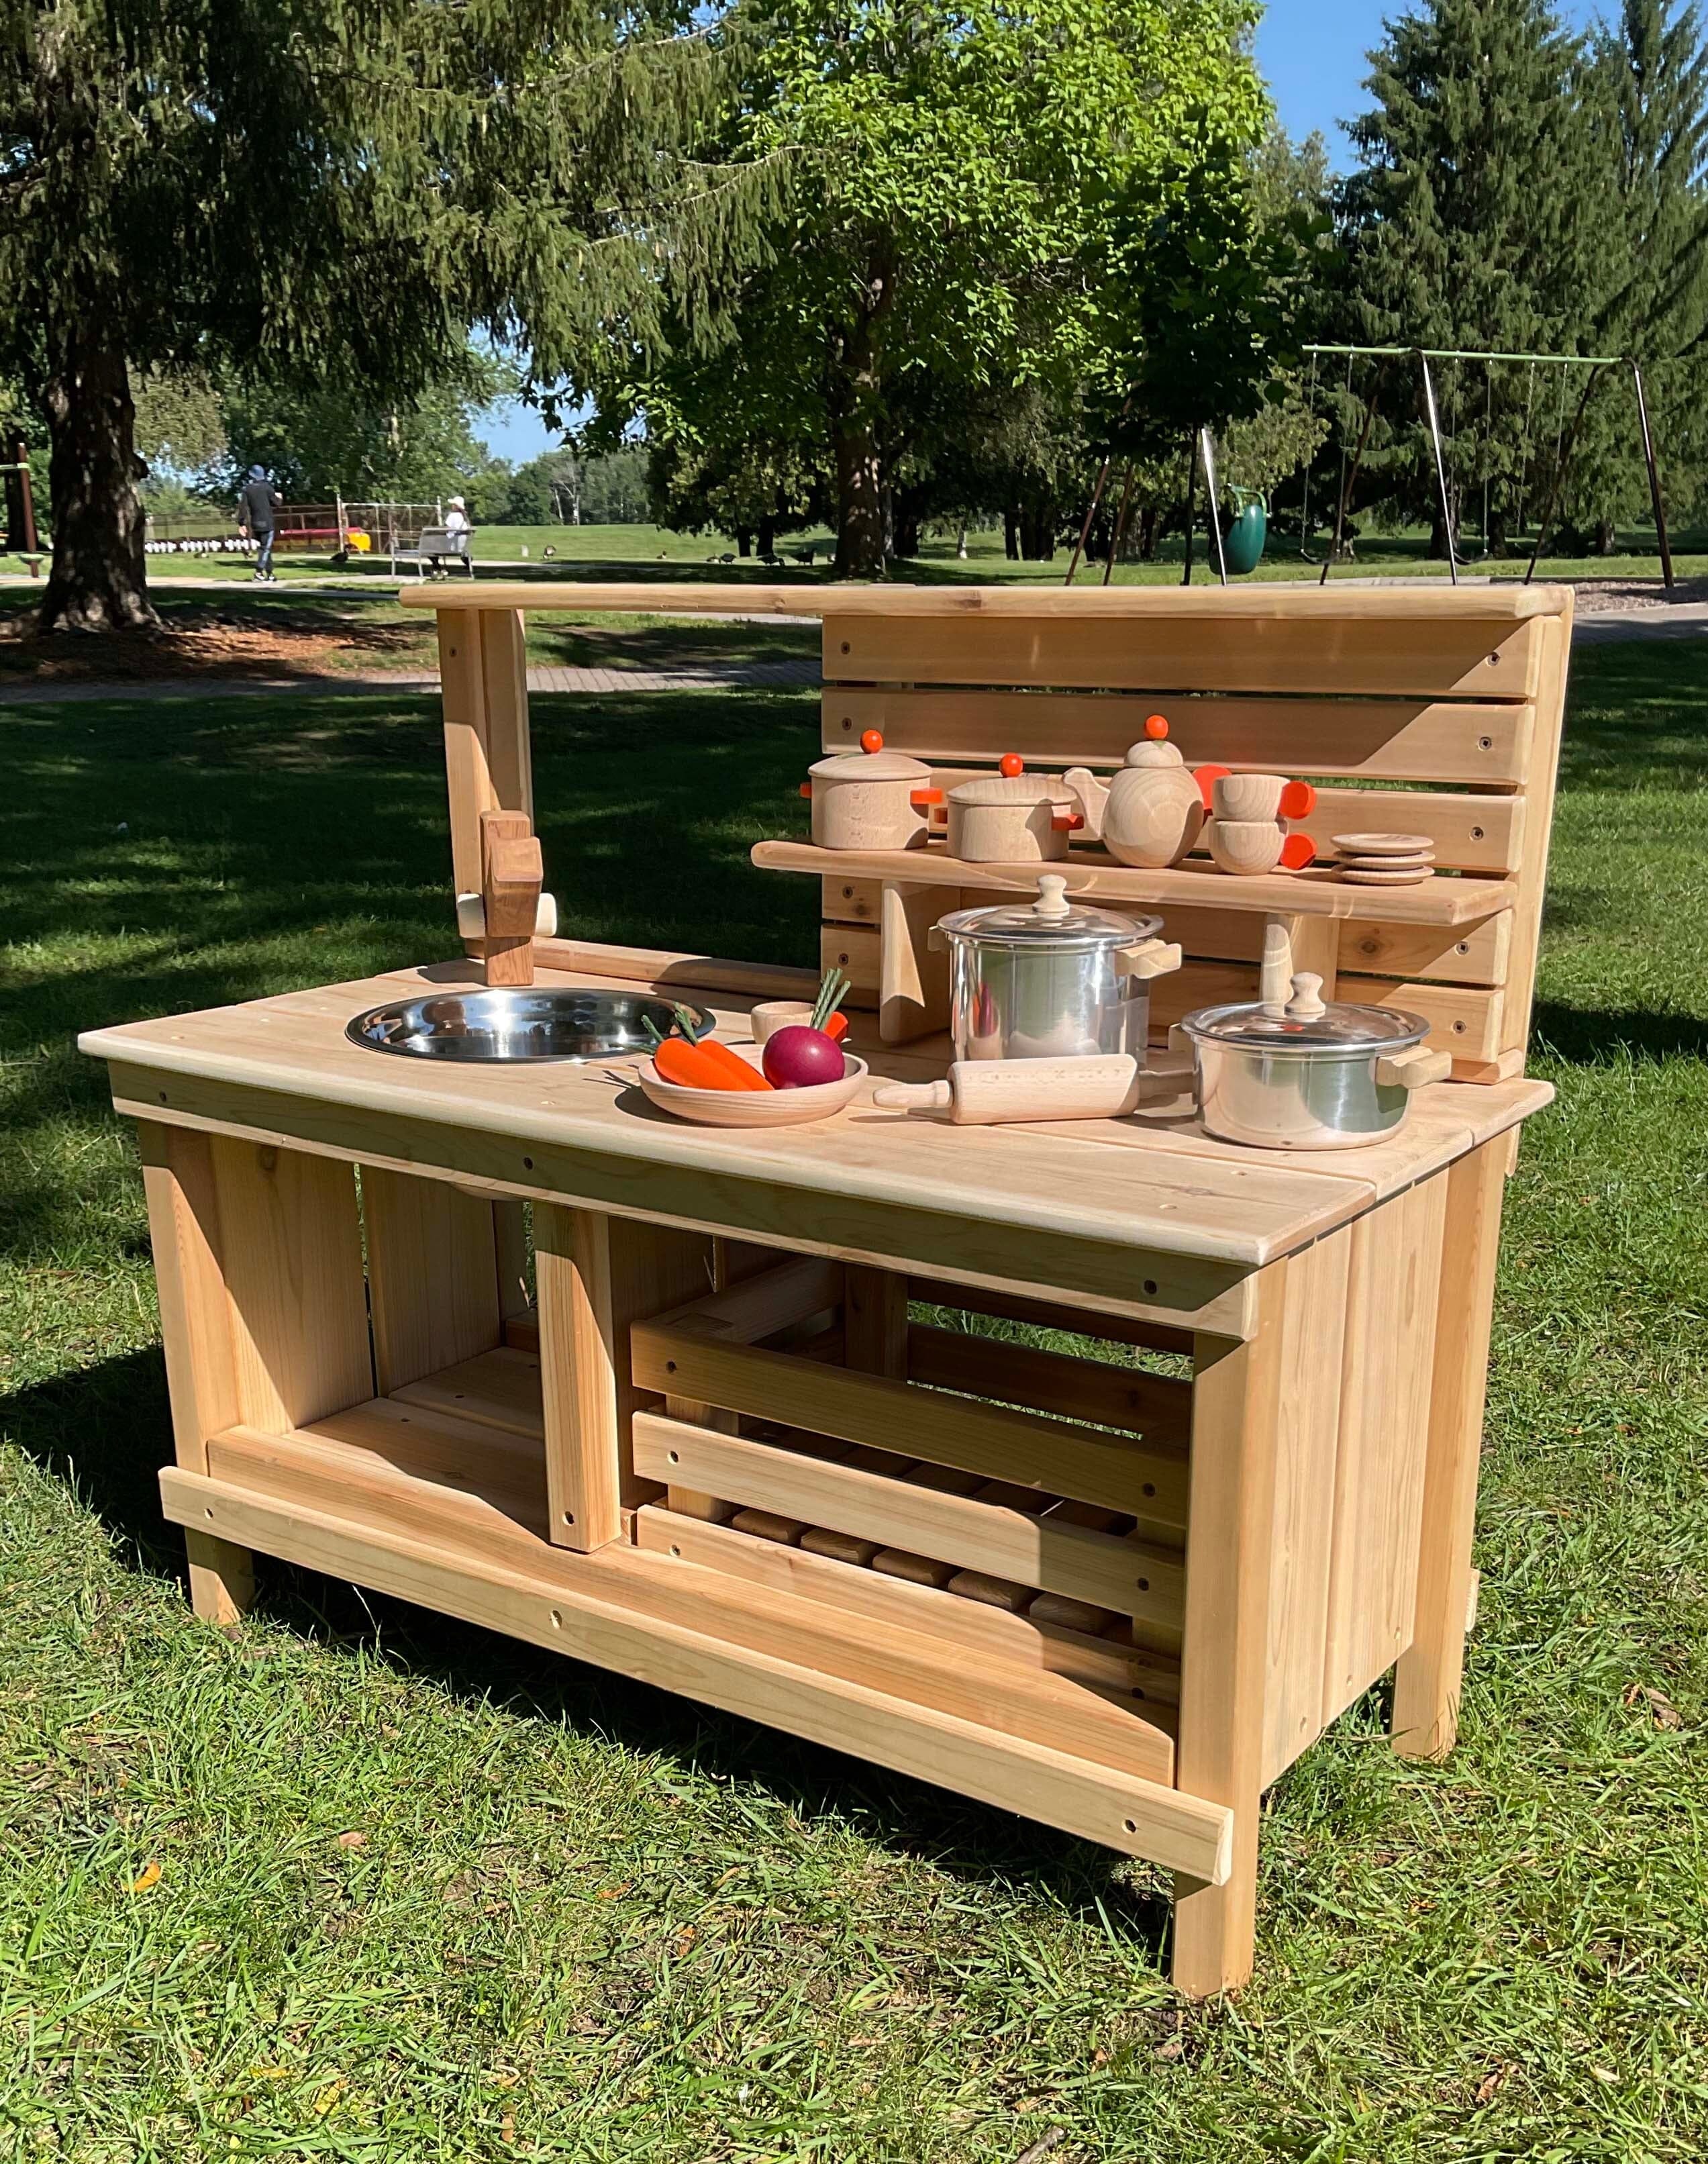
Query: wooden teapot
(1154,810)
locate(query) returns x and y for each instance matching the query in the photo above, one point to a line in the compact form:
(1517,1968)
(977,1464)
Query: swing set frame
(1596,364)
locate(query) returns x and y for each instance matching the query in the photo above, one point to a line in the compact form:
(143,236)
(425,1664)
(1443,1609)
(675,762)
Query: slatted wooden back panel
(1406,716)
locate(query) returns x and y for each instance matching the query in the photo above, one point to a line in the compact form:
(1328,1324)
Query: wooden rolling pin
(983,1093)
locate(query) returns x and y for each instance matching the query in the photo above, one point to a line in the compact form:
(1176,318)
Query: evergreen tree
(1472,223)
(331,191)
(1651,79)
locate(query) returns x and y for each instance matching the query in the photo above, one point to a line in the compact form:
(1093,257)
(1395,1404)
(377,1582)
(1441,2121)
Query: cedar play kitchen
(721,1407)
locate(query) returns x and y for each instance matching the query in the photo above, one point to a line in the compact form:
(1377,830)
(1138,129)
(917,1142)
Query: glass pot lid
(1306,1024)
(1052,921)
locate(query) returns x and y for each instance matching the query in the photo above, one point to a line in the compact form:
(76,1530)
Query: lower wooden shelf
(449,1511)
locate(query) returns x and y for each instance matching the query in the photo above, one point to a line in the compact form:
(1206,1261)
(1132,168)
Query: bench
(435,543)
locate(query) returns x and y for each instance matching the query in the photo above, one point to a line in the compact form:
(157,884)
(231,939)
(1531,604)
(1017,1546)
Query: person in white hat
(456,518)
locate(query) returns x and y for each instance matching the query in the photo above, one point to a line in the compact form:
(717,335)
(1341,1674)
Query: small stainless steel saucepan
(1050,979)
(1308,1075)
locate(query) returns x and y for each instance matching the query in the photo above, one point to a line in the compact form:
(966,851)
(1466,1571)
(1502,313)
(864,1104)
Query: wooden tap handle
(512,874)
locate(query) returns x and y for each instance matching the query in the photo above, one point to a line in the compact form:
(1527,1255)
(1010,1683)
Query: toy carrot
(681,1061)
(733,1071)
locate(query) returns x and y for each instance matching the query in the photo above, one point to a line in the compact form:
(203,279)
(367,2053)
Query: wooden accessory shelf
(735,1424)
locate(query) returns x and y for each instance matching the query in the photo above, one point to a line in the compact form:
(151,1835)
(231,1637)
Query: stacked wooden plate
(1384,860)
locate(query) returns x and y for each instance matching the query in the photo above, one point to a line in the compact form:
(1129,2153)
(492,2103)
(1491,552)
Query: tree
(325,440)
(318,192)
(1472,223)
(955,165)
(1650,85)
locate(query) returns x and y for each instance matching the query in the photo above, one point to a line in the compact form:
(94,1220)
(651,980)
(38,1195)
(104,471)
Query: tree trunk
(768,539)
(743,543)
(1010,534)
(1606,540)
(99,581)
(1147,534)
(862,524)
(860,497)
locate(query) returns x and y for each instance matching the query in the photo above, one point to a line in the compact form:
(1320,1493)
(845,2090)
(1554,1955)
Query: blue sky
(1313,52)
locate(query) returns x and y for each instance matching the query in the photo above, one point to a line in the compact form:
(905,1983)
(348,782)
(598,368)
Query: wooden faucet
(512,874)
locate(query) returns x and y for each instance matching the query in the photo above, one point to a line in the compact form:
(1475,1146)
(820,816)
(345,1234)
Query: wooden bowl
(754,1108)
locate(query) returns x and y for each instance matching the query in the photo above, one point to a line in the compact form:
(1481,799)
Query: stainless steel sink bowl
(518,1021)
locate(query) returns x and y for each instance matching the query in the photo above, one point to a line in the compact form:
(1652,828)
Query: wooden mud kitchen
(709,1404)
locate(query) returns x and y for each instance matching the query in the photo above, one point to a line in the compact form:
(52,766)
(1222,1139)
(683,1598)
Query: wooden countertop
(1152,1185)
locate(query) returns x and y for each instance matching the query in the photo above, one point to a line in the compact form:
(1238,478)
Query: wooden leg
(1427,1681)
(732,1262)
(874,1321)
(596,1276)
(1236,1411)
(196,1324)
(222,1578)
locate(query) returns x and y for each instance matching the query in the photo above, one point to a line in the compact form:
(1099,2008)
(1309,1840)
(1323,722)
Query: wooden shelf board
(1194,885)
(1260,604)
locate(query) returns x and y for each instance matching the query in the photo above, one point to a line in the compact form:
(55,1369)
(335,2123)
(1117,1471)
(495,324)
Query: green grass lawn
(654,553)
(361,1883)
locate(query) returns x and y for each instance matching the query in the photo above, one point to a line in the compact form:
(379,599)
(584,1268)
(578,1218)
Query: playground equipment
(1565,440)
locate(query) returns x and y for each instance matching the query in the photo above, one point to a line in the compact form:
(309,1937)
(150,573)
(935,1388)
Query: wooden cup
(1245,847)
(1248,797)
(771,1016)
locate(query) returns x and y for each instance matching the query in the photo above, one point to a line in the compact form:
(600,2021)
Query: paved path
(1677,620)
(768,676)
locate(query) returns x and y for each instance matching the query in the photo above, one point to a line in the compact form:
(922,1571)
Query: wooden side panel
(597,1275)
(196,1324)
(1426,1685)
(1399,654)
(433,1277)
(1475,746)
(1393,1292)
(1224,1658)
(298,1298)
(1556,655)
(509,1253)
(1306,1437)
(463,690)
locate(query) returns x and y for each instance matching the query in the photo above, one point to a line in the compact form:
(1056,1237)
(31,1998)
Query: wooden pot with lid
(870,799)
(1012,817)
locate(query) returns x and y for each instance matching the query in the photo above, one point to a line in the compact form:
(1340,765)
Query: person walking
(257,504)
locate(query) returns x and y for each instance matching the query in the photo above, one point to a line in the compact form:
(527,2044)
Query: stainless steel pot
(1050,979)
(1306,1075)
